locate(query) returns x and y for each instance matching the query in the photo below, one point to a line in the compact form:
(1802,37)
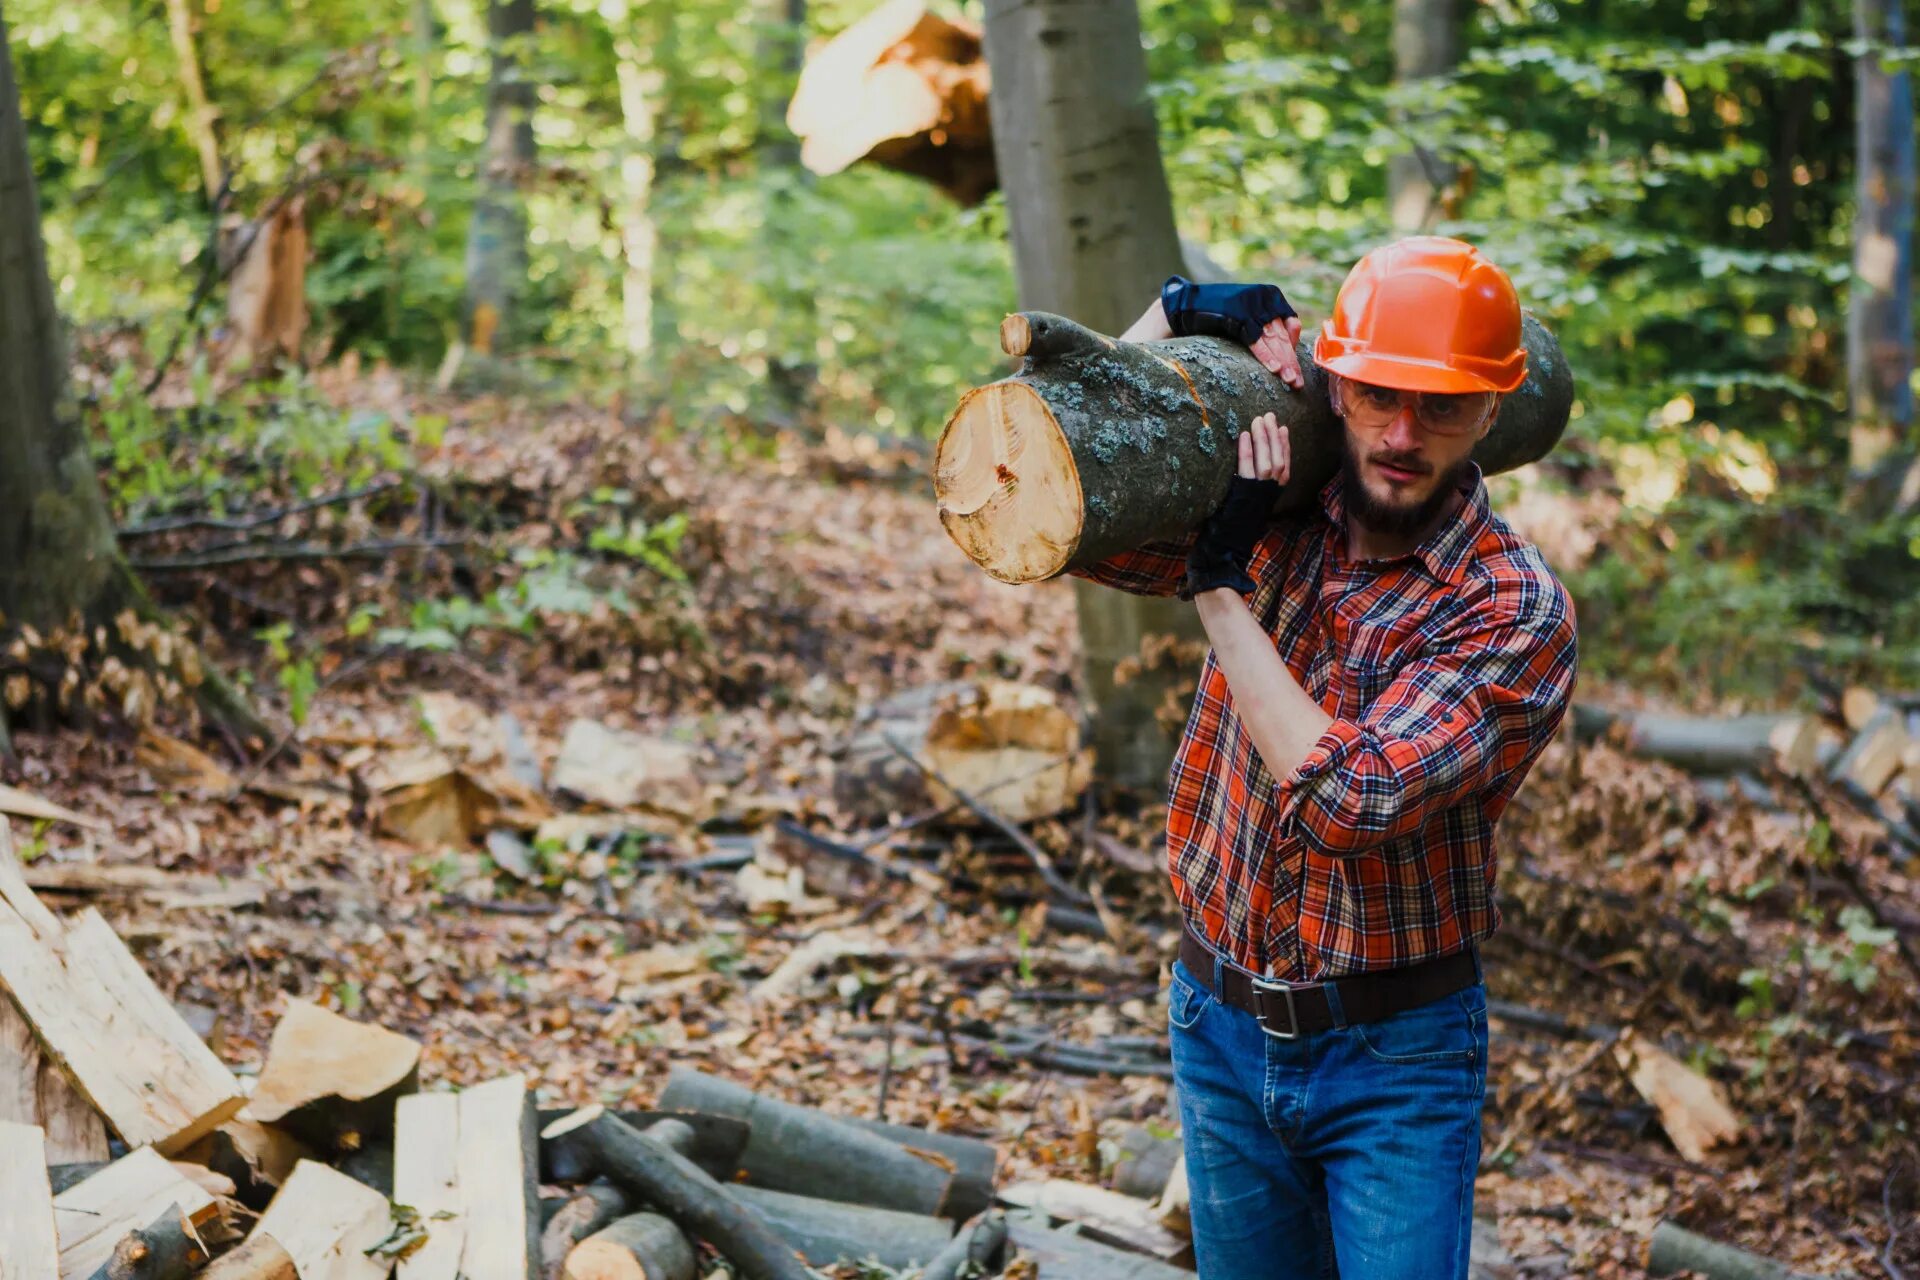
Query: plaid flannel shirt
(1446,671)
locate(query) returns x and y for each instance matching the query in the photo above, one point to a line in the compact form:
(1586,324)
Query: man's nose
(1404,431)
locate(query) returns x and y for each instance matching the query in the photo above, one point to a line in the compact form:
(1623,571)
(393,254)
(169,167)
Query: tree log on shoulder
(1096,446)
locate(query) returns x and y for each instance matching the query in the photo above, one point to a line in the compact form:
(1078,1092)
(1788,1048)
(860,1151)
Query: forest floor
(820,582)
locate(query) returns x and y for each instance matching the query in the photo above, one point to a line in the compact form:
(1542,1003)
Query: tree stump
(1096,446)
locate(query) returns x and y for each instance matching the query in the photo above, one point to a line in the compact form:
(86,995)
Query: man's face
(1399,476)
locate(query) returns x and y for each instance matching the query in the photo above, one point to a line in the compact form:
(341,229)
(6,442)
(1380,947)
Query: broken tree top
(1097,446)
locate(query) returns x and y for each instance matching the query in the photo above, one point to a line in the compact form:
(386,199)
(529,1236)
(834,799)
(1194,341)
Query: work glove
(1224,546)
(1236,311)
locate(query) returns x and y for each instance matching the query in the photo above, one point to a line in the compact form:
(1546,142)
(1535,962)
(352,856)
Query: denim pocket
(1186,999)
(1443,1030)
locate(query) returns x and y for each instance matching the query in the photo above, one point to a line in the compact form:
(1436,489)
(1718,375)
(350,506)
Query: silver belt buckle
(1293,1018)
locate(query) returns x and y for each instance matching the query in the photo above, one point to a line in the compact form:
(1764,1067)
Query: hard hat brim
(1401,373)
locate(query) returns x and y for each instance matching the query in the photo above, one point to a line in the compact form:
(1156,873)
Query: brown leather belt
(1286,1011)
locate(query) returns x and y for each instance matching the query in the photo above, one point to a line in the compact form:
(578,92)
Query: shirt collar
(1448,548)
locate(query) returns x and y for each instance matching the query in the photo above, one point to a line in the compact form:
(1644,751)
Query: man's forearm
(1281,717)
(1150,327)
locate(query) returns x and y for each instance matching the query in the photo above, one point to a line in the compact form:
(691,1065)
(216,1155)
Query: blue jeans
(1346,1153)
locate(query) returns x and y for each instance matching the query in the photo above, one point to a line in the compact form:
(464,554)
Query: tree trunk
(641,37)
(1426,43)
(1091,218)
(200,115)
(59,561)
(1880,314)
(1097,446)
(497,237)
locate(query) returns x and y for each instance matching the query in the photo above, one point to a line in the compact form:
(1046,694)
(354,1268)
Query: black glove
(1236,311)
(1220,554)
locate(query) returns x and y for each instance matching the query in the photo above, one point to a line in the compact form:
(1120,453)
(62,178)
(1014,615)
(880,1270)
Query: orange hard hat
(1425,314)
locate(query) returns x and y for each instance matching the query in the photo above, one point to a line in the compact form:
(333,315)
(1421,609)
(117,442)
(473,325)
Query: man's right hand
(1258,316)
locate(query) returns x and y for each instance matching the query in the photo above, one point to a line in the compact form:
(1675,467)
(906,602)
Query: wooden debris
(29,1249)
(1013,740)
(261,1258)
(1674,1249)
(828,1232)
(332,1082)
(97,1013)
(654,1171)
(426,1175)
(168,1248)
(1693,1109)
(816,953)
(1857,706)
(905,88)
(622,770)
(792,1148)
(1146,1162)
(499,1171)
(644,1246)
(266,297)
(172,889)
(974,1250)
(1102,1214)
(974,1162)
(25,804)
(1063,1255)
(257,1158)
(589,1210)
(1876,754)
(327,1223)
(34,1091)
(94,1215)
(1171,1208)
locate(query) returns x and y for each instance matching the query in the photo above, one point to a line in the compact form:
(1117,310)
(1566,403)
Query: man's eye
(1381,397)
(1445,408)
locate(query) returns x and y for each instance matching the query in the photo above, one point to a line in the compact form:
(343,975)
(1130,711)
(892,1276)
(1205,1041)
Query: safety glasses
(1445,413)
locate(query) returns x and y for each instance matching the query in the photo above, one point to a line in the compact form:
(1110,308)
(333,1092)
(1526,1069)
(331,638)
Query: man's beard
(1391,520)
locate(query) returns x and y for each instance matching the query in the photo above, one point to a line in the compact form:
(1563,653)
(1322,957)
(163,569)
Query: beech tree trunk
(497,236)
(1091,218)
(1880,311)
(1097,446)
(1426,43)
(200,116)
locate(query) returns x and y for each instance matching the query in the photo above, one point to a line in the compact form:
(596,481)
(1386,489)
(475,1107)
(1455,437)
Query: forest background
(607,408)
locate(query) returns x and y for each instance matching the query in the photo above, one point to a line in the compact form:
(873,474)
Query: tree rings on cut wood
(1098,446)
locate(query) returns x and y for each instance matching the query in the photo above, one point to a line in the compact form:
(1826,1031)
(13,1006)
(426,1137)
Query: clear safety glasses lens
(1443,413)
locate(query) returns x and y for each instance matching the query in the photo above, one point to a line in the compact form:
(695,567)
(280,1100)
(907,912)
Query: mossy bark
(59,559)
(1151,427)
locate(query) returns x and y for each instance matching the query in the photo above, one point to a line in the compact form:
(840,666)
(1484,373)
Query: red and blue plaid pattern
(1447,672)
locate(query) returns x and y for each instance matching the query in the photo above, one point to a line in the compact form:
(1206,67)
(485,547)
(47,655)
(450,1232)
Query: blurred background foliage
(1668,181)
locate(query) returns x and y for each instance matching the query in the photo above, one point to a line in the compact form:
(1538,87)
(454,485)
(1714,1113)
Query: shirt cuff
(1340,740)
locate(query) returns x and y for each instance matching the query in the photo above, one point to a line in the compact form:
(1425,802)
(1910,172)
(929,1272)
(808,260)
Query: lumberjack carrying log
(1388,661)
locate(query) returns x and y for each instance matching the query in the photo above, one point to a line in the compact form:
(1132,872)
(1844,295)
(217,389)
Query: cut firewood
(168,1248)
(332,1082)
(644,1246)
(975,1162)
(586,1212)
(35,1091)
(1145,1162)
(24,804)
(792,1148)
(1693,1109)
(29,1249)
(1102,1214)
(1857,706)
(1063,1255)
(1014,740)
(1171,1208)
(327,1223)
(1876,753)
(829,1232)
(94,1215)
(97,1013)
(257,1158)
(1698,744)
(426,1176)
(1097,446)
(904,88)
(655,1171)
(261,1258)
(1674,1249)
(468,1163)
(974,1250)
(499,1167)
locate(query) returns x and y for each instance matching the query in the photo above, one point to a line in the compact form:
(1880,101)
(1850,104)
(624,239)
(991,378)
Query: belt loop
(1219,974)
(1479,974)
(1334,1008)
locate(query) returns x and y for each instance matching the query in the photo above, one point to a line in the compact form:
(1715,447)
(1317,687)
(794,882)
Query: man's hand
(1257,316)
(1225,546)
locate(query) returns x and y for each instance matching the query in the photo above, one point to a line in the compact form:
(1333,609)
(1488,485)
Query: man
(1386,667)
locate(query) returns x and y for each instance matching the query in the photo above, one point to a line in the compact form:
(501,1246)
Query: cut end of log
(568,1123)
(318,1055)
(1006,481)
(1016,335)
